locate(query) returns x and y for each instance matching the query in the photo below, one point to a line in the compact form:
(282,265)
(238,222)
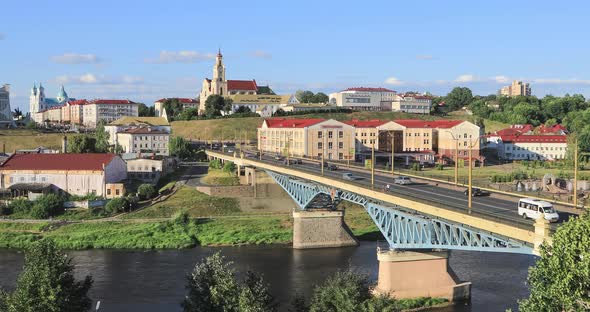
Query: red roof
(552,129)
(78,102)
(366,89)
(535,138)
(365,123)
(242,85)
(291,123)
(181,100)
(416,123)
(99,101)
(57,161)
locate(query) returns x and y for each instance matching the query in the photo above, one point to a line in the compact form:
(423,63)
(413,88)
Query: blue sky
(146,50)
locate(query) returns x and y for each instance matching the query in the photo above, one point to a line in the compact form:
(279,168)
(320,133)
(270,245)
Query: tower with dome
(38,102)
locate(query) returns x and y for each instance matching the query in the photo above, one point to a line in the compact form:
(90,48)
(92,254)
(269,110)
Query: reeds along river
(149,281)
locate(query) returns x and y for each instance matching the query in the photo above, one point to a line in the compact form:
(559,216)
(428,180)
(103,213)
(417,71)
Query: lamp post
(470,192)
(392,152)
(372,164)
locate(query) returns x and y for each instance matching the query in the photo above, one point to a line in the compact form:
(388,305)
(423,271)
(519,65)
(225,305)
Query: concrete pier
(410,274)
(321,229)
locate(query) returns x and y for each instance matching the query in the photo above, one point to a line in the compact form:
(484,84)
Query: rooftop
(181,100)
(132,121)
(65,162)
(291,123)
(101,101)
(242,85)
(416,123)
(365,123)
(367,89)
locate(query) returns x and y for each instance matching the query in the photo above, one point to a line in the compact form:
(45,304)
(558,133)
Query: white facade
(368,99)
(529,149)
(144,140)
(5,111)
(108,111)
(411,103)
(147,170)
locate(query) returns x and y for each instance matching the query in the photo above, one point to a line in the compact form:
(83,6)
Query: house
(73,174)
(363,98)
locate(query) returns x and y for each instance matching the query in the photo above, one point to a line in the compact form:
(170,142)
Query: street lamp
(372,164)
(456,157)
(392,151)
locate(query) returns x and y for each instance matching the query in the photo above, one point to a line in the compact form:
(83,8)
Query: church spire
(219,52)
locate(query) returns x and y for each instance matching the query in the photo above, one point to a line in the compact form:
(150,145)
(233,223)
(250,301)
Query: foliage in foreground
(47,283)
(560,280)
(213,287)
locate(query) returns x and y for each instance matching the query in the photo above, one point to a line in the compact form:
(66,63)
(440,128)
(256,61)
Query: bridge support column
(321,229)
(410,274)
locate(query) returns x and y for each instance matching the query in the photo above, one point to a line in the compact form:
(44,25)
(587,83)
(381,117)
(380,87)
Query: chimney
(64,145)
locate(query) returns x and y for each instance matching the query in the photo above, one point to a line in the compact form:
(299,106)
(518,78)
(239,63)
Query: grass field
(231,128)
(218,177)
(25,138)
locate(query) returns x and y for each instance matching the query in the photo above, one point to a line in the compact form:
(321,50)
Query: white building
(411,103)
(362,98)
(75,174)
(263,104)
(143,140)
(533,147)
(5,111)
(108,111)
(38,102)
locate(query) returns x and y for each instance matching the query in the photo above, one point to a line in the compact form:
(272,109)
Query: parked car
(292,161)
(328,166)
(348,176)
(402,180)
(476,192)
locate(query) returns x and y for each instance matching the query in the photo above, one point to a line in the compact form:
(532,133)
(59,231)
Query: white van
(536,208)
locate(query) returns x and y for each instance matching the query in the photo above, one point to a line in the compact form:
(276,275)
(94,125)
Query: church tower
(34,102)
(218,83)
(62,96)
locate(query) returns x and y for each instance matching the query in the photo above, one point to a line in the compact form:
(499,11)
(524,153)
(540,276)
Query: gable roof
(291,123)
(367,89)
(249,85)
(365,123)
(416,123)
(150,121)
(65,162)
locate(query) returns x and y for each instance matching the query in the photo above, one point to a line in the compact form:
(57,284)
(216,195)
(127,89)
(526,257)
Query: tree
(173,107)
(320,98)
(81,144)
(116,205)
(255,296)
(304,96)
(146,111)
(344,291)
(229,167)
(188,114)
(560,279)
(17,114)
(458,97)
(243,110)
(146,191)
(49,205)
(180,147)
(102,138)
(213,105)
(47,283)
(227,105)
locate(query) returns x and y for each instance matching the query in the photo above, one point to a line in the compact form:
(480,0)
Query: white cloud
(561,81)
(75,58)
(424,57)
(466,78)
(261,54)
(393,81)
(501,79)
(166,57)
(90,79)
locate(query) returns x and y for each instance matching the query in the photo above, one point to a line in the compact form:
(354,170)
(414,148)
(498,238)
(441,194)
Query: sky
(146,50)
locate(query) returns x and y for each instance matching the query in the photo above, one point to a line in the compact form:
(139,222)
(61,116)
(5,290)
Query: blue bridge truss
(401,228)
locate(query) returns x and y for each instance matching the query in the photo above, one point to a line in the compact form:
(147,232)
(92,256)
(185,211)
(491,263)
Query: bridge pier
(410,274)
(321,229)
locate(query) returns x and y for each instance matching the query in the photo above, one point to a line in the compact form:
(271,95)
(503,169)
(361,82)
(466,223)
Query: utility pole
(392,151)
(373,164)
(470,193)
(576,173)
(456,162)
(288,161)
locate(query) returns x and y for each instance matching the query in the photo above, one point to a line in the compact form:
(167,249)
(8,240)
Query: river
(149,281)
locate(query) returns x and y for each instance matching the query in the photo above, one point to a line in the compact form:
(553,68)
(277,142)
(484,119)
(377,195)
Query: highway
(484,206)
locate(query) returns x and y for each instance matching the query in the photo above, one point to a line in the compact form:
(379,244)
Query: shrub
(146,191)
(21,205)
(215,164)
(116,205)
(46,206)
(416,167)
(181,218)
(229,167)
(440,167)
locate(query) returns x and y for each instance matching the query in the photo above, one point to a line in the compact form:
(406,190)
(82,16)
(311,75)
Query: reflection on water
(152,281)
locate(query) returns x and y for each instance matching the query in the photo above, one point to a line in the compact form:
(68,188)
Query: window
(117,192)
(108,191)
(22,179)
(465,135)
(319,134)
(465,143)
(340,144)
(340,156)
(320,145)
(329,145)
(43,179)
(11,180)
(329,134)
(340,134)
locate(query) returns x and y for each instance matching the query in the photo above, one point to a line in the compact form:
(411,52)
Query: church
(220,86)
(38,102)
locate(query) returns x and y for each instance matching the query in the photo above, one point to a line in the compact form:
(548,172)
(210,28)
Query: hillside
(232,128)
(25,139)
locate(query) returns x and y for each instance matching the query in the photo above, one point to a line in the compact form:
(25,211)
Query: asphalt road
(484,206)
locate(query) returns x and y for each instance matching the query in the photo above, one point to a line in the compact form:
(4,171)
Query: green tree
(173,107)
(255,296)
(180,147)
(229,167)
(146,191)
(116,205)
(188,114)
(146,111)
(227,105)
(344,291)
(214,105)
(47,283)
(304,96)
(560,279)
(243,110)
(320,97)
(102,138)
(458,97)
(49,205)
(81,144)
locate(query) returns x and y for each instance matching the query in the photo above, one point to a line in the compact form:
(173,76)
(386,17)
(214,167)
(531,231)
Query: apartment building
(533,147)
(143,140)
(517,88)
(75,174)
(5,111)
(366,133)
(125,123)
(363,98)
(107,110)
(307,138)
(411,103)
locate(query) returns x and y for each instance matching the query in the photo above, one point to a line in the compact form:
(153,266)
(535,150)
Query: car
(279,157)
(230,150)
(402,180)
(348,176)
(328,166)
(476,192)
(292,161)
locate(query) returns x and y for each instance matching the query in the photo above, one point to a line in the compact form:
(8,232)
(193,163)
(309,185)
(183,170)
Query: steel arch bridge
(402,229)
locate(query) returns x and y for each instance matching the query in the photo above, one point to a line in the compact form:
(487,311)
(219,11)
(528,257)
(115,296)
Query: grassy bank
(219,177)
(25,139)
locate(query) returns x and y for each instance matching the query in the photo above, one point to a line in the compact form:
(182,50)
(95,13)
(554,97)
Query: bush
(146,191)
(116,205)
(5,210)
(46,206)
(215,164)
(229,167)
(440,167)
(21,206)
(181,218)
(416,167)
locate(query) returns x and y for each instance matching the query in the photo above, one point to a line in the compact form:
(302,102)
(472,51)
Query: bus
(530,208)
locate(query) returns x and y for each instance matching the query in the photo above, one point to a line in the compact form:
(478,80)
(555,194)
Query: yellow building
(517,88)
(307,138)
